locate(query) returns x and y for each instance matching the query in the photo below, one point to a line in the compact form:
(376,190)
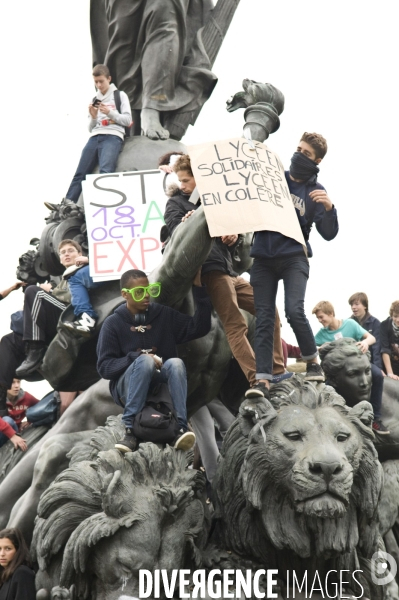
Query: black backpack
(117,97)
(157,422)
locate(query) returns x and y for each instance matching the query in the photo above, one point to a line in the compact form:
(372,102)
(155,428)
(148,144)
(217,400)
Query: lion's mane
(103,491)
(256,513)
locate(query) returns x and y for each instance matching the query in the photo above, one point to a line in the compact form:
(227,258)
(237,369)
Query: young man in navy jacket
(279,257)
(137,349)
(359,304)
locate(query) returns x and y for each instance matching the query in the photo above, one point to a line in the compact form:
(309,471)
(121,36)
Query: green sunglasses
(138,293)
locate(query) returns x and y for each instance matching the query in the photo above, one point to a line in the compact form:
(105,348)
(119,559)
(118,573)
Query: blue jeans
(265,275)
(102,149)
(3,437)
(79,284)
(141,377)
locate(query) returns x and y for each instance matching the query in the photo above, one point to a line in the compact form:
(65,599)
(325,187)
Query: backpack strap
(117,98)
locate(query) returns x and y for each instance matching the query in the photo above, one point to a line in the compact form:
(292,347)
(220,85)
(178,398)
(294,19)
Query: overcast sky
(335,62)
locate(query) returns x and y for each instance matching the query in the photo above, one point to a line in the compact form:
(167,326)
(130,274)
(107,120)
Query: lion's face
(305,465)
(315,456)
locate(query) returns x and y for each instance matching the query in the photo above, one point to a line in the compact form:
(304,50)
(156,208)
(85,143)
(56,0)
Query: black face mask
(303,168)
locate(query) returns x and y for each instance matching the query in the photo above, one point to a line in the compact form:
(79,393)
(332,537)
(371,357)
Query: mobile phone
(96,102)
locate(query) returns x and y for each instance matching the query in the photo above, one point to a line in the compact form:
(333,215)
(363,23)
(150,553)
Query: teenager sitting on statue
(335,329)
(390,342)
(107,130)
(44,305)
(277,256)
(137,350)
(229,293)
(359,304)
(18,402)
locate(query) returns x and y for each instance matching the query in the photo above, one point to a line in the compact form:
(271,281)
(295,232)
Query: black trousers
(265,275)
(12,354)
(41,314)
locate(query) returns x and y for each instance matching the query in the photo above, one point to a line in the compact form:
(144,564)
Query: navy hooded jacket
(119,343)
(272,244)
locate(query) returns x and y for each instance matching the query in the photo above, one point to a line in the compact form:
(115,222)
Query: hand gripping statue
(156,55)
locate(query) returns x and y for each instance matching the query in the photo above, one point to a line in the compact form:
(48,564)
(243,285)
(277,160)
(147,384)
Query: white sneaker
(84,325)
(185,441)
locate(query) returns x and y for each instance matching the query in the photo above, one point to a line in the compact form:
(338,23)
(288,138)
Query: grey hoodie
(121,120)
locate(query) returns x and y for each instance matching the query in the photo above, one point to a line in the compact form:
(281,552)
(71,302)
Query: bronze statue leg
(147,43)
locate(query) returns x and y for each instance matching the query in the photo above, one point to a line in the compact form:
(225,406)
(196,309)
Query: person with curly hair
(17,579)
(229,292)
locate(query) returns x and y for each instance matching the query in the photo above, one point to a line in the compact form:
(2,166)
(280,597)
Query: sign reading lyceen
(243,188)
(124,215)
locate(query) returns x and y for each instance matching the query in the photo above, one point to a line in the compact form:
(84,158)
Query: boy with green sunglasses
(137,350)
(138,293)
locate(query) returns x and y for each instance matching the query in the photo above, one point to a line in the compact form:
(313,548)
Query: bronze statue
(298,484)
(291,494)
(339,360)
(160,54)
(119,514)
(263,104)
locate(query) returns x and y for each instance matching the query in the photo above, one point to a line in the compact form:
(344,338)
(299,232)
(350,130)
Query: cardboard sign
(243,189)
(124,216)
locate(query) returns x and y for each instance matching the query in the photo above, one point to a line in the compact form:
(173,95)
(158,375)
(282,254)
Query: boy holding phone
(137,350)
(107,128)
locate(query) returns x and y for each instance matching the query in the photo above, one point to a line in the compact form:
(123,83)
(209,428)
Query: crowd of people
(137,348)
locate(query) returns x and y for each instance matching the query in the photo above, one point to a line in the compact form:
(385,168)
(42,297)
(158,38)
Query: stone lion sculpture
(299,482)
(109,515)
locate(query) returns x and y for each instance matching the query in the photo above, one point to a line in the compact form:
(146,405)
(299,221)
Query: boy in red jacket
(18,401)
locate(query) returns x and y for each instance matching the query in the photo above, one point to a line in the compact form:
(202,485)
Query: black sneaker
(84,325)
(314,372)
(259,390)
(185,440)
(129,442)
(378,427)
(33,360)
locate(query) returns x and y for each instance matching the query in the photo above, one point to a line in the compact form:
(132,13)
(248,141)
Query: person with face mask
(279,257)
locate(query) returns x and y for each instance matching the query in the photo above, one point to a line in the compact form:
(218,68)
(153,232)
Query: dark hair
(318,143)
(132,274)
(165,158)
(101,70)
(77,246)
(359,297)
(183,163)
(21,557)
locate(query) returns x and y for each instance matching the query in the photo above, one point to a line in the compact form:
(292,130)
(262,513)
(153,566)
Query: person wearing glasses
(137,350)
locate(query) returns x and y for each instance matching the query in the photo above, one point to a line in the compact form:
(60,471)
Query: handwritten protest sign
(243,189)
(124,215)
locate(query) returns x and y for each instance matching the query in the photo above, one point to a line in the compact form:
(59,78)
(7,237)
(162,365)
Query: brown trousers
(228,295)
